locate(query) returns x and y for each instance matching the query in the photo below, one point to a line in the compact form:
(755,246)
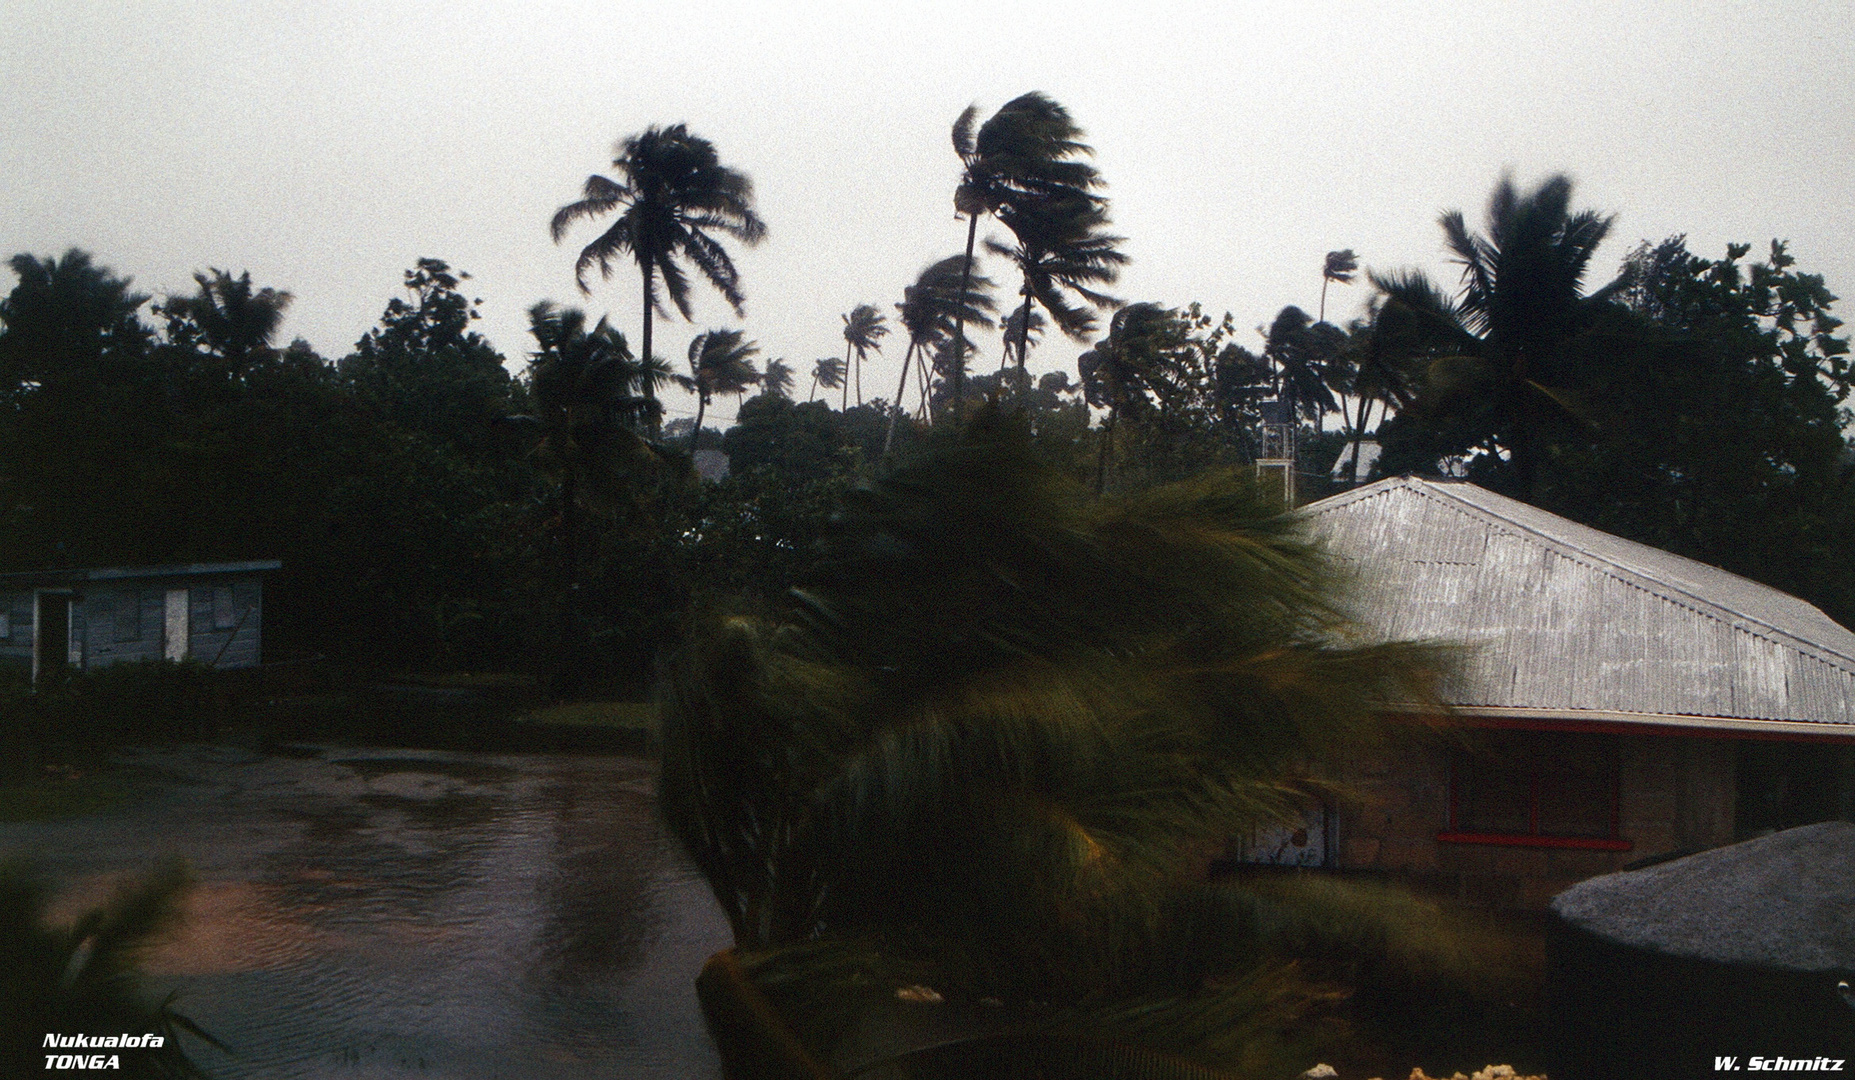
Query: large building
(1612,702)
(87,619)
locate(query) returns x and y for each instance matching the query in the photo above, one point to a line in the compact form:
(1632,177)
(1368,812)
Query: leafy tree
(864,329)
(719,363)
(68,322)
(673,197)
(1495,359)
(591,409)
(426,371)
(1717,431)
(979,756)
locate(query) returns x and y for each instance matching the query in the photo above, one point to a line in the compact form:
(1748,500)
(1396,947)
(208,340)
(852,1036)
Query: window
(128,616)
(225,614)
(1539,789)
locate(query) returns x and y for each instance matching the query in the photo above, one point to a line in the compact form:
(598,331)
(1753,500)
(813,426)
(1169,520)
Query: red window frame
(1454,833)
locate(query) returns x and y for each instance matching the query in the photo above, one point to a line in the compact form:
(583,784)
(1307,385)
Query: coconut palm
(1029,149)
(719,363)
(864,329)
(977,761)
(227,318)
(673,196)
(1340,266)
(777,378)
(1064,258)
(827,372)
(1299,350)
(936,309)
(1495,357)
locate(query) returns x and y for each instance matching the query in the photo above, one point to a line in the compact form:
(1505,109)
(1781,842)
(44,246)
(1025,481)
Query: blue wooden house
(88,619)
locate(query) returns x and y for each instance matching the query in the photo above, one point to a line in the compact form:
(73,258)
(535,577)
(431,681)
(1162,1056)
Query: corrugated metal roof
(1567,622)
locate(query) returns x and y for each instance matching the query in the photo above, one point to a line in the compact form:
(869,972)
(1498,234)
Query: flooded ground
(395,913)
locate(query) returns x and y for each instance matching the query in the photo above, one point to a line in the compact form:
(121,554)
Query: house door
(51,633)
(176,627)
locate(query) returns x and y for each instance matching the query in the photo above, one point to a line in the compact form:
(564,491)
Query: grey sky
(325,147)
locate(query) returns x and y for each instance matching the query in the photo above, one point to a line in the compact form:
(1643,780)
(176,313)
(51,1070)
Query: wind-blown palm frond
(1492,357)
(1060,251)
(719,363)
(827,372)
(674,196)
(1029,152)
(1339,267)
(864,329)
(945,298)
(992,738)
(777,379)
(230,319)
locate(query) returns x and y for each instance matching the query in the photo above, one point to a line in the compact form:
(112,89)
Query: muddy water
(393,913)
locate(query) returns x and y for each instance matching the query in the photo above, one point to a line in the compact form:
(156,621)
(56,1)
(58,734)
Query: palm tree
(777,378)
(1299,350)
(945,297)
(1061,251)
(1340,266)
(827,372)
(979,757)
(675,197)
(227,318)
(718,364)
(864,329)
(1028,150)
(1495,356)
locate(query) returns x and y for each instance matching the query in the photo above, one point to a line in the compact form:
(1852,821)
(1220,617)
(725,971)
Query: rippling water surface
(395,913)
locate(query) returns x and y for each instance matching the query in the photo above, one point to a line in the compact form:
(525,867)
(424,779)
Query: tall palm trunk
(959,317)
(895,409)
(695,436)
(846,404)
(648,278)
(1107,440)
(1024,335)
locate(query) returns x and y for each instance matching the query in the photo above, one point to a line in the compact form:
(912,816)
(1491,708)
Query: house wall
(1675,794)
(95,618)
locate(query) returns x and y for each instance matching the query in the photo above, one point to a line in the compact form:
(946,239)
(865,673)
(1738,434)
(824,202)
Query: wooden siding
(94,618)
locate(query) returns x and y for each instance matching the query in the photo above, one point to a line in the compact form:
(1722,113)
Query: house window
(1537,789)
(128,616)
(225,615)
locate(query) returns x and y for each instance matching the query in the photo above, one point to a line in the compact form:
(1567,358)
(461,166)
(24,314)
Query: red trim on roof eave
(1526,840)
(1618,727)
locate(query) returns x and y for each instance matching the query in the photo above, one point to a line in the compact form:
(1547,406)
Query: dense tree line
(432,509)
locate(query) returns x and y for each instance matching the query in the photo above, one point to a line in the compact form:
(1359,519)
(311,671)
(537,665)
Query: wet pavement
(397,913)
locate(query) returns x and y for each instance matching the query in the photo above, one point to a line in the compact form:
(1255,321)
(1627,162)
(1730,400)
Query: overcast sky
(326,147)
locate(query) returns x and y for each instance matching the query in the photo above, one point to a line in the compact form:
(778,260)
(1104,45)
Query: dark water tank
(1731,953)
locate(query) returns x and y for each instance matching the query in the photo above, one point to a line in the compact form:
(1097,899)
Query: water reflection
(367,913)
